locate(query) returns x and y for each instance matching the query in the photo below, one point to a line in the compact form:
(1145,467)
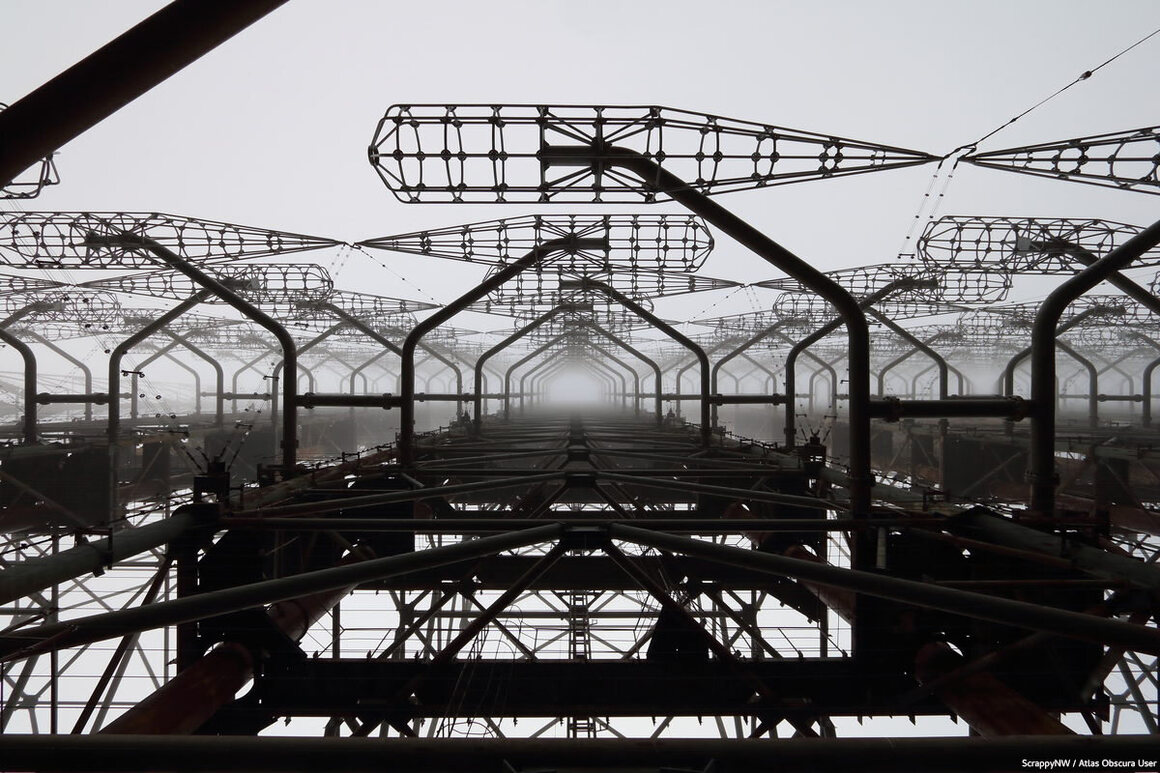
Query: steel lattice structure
(38,240)
(953,283)
(280,285)
(1126,159)
(637,242)
(472,153)
(1021,245)
(85,308)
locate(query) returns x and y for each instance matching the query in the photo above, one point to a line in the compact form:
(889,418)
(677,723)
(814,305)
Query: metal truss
(1022,245)
(818,310)
(265,285)
(952,284)
(1127,159)
(660,243)
(39,240)
(637,285)
(508,153)
(26,284)
(87,309)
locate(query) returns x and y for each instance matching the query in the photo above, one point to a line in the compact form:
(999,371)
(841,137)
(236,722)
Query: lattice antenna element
(198,328)
(25,284)
(1022,245)
(370,307)
(1126,159)
(393,317)
(613,318)
(33,180)
(816,309)
(514,305)
(1099,310)
(635,285)
(62,240)
(86,309)
(954,284)
(742,326)
(272,285)
(649,242)
(504,153)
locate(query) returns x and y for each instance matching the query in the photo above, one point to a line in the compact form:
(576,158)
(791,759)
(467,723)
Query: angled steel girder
(116,74)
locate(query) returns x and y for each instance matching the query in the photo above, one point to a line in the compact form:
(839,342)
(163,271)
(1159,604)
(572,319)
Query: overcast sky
(271,128)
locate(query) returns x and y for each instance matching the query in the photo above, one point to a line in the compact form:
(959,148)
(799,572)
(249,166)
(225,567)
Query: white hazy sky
(271,128)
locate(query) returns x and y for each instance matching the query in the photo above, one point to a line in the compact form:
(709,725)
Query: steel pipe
(470,755)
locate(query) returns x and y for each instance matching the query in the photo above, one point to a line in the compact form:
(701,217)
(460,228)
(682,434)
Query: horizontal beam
(894,409)
(464,755)
(386,401)
(488,525)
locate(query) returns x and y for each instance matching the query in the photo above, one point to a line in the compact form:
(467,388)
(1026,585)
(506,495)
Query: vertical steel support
(492,283)
(162,351)
(113,426)
(1008,384)
(628,368)
(1093,382)
(247,309)
(1146,390)
(196,380)
(293,376)
(659,179)
(535,324)
(907,355)
(1041,473)
(358,372)
(943,370)
(249,365)
(507,376)
(859,372)
(614,374)
(86,371)
(377,337)
(219,375)
(28,431)
(657,384)
(673,333)
(684,368)
(529,391)
(745,346)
